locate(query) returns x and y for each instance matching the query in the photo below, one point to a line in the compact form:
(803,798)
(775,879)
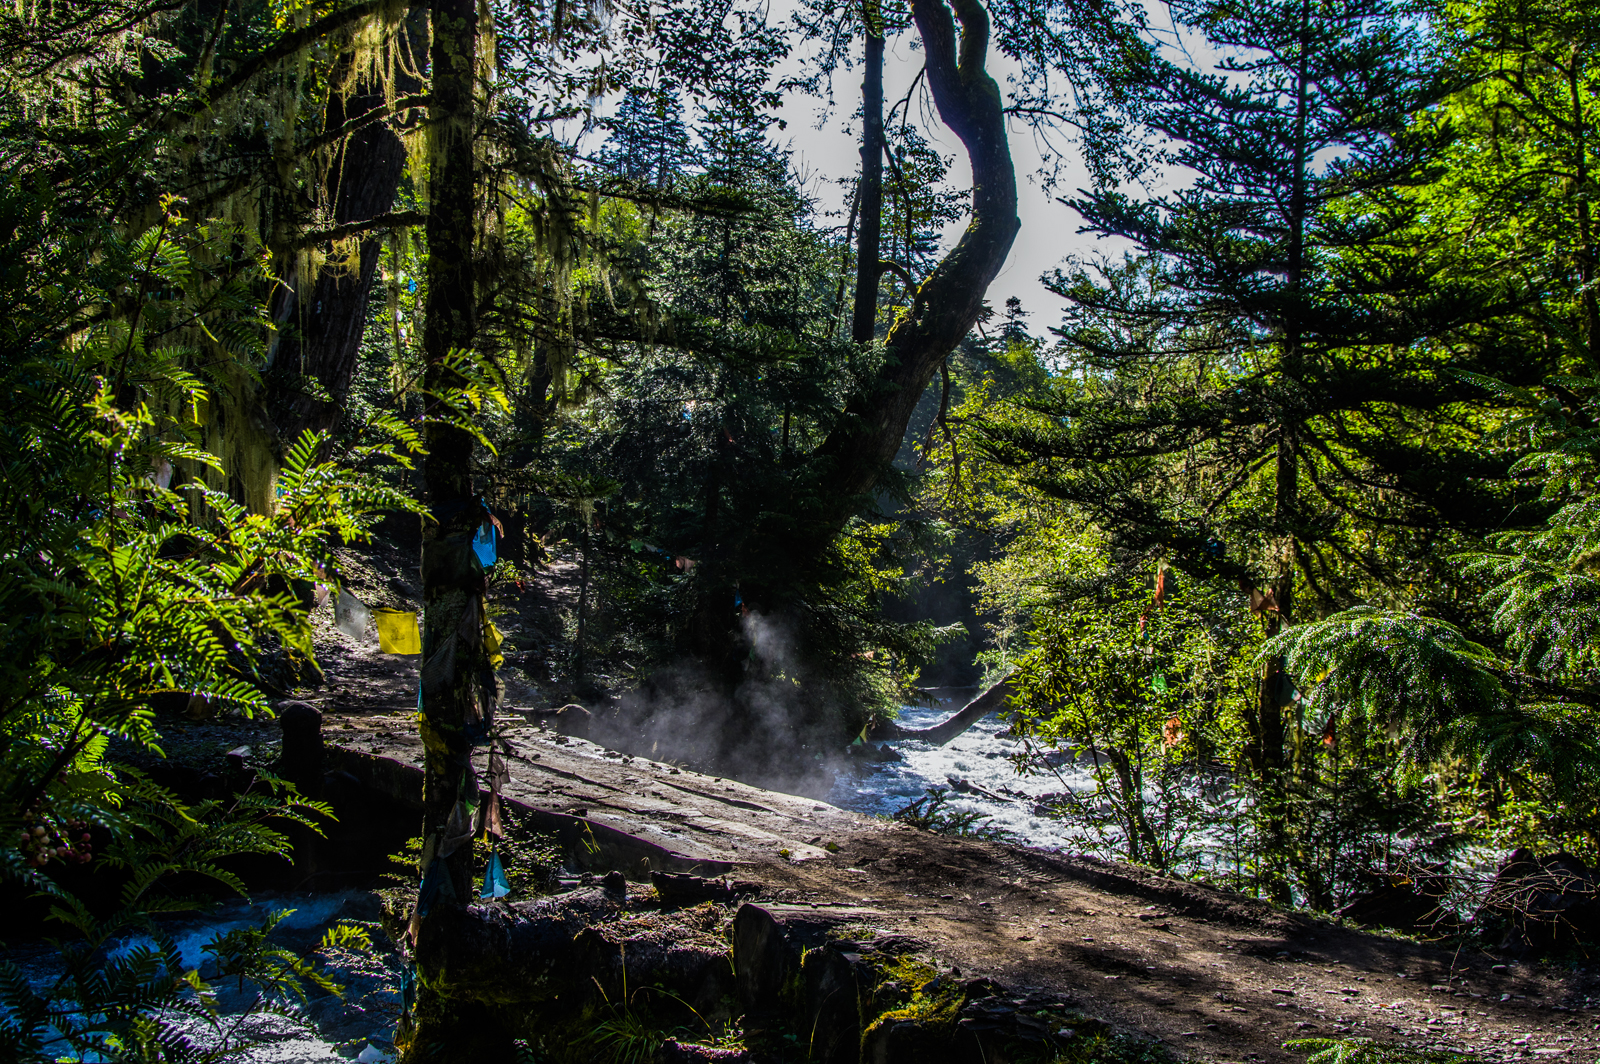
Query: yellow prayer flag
(492,640)
(398,632)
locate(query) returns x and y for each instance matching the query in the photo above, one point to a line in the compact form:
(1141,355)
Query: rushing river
(1055,805)
(977,769)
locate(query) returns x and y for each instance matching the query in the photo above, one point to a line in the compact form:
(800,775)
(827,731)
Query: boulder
(594,941)
(683,889)
(573,719)
(798,977)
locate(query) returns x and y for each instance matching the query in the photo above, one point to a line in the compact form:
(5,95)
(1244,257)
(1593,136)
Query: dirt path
(1215,976)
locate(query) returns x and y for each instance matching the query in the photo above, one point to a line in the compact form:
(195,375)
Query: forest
(419,411)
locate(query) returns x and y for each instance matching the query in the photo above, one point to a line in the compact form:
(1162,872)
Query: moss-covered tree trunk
(452,579)
(456,678)
(324,320)
(844,470)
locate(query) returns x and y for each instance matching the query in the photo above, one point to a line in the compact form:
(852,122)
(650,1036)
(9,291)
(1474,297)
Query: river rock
(684,889)
(546,968)
(587,943)
(573,720)
(301,761)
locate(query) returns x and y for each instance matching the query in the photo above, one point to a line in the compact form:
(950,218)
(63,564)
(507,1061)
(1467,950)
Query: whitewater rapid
(981,758)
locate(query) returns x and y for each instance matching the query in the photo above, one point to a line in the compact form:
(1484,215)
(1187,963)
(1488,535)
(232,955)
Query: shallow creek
(326,1030)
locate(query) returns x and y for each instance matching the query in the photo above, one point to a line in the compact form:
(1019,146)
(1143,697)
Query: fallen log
(952,726)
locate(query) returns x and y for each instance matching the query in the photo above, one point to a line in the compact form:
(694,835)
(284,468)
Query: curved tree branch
(947,304)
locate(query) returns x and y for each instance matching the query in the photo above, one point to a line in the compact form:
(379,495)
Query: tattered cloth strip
(408,987)
(499,776)
(492,639)
(483,545)
(492,824)
(457,830)
(495,882)
(436,887)
(438,674)
(1262,601)
(1164,585)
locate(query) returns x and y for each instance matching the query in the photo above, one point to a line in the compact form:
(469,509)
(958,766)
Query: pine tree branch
(392,220)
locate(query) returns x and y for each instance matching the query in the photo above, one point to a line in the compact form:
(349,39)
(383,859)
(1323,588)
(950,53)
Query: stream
(977,768)
(326,1030)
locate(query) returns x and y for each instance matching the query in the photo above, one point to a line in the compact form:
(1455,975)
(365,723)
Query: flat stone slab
(613,810)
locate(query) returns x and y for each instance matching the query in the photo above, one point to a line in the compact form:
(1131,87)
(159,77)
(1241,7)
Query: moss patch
(909,988)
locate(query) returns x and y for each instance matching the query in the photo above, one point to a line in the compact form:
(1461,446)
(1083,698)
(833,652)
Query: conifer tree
(649,141)
(1256,390)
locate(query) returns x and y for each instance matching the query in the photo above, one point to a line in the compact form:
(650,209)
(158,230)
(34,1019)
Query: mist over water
(770,721)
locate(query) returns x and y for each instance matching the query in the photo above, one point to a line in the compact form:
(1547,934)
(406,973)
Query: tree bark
(1269,737)
(946,305)
(452,579)
(864,319)
(324,326)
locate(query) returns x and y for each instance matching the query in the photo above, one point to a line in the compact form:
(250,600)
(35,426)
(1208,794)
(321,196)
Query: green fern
(115,592)
(1366,1051)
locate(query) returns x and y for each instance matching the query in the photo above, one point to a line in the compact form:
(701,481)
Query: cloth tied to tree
(351,616)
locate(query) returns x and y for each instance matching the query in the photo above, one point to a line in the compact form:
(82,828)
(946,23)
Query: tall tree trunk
(867,435)
(323,324)
(865,316)
(457,681)
(1269,737)
(1273,780)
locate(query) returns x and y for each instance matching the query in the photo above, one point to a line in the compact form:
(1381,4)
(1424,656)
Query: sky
(825,150)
